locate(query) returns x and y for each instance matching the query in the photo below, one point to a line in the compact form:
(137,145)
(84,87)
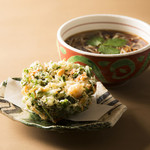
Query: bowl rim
(59,38)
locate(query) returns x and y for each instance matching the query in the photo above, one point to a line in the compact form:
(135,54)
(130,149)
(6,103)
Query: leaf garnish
(108,46)
(95,41)
(108,50)
(116,42)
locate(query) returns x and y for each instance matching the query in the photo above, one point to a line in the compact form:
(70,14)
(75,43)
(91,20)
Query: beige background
(28,33)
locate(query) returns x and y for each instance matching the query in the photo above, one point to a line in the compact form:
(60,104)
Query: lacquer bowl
(111,69)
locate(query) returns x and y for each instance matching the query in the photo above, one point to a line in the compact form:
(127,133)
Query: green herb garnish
(109,46)
(26,71)
(95,41)
(64,102)
(63,78)
(88,71)
(108,50)
(116,42)
(75,75)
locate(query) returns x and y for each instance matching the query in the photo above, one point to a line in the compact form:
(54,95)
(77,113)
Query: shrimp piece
(81,77)
(76,90)
(25,89)
(60,72)
(34,72)
(32,90)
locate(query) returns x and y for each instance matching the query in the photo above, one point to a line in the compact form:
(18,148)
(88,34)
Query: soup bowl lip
(60,39)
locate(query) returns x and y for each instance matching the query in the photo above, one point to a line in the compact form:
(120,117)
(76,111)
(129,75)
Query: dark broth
(106,42)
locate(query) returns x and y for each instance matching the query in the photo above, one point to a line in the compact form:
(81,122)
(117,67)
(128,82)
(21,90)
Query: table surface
(28,33)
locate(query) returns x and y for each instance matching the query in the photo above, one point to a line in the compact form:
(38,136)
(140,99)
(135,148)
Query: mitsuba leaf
(116,42)
(108,50)
(95,41)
